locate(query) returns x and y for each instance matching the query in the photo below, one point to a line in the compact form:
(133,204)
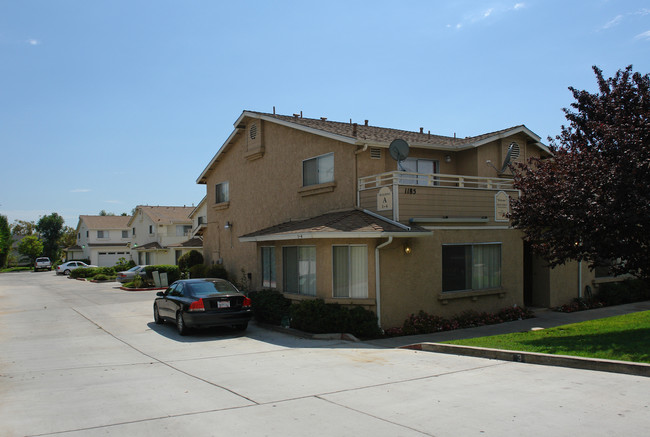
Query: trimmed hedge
(319,317)
(89,272)
(197,271)
(216,271)
(269,306)
(173,272)
(190,259)
(617,293)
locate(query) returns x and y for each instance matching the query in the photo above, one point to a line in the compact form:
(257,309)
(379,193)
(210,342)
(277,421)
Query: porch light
(228,225)
(407,249)
(447,159)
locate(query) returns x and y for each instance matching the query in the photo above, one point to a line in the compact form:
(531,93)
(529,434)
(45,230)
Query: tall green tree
(31,247)
(50,228)
(68,237)
(23,227)
(591,200)
(5,241)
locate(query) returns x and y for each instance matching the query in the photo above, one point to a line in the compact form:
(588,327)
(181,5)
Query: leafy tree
(5,240)
(68,237)
(50,228)
(23,227)
(591,200)
(104,213)
(190,259)
(31,247)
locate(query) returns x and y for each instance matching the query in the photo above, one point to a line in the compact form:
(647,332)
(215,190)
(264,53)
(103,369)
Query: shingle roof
(168,214)
(152,245)
(382,134)
(192,242)
(337,225)
(106,221)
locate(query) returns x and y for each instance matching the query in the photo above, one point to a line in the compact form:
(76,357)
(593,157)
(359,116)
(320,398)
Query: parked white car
(66,268)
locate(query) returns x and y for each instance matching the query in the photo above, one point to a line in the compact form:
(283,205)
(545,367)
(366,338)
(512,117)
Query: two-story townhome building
(102,239)
(320,209)
(160,234)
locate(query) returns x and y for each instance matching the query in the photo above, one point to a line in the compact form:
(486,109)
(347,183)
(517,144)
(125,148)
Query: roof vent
(324,118)
(253,131)
(375,153)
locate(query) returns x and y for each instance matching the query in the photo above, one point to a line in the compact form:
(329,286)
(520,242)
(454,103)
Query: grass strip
(624,338)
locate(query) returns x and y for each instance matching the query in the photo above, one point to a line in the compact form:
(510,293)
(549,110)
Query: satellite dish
(513,154)
(399,151)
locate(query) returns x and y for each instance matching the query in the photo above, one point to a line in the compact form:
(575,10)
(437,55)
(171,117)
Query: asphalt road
(83,359)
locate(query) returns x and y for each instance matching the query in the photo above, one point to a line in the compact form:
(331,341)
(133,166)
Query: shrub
(617,293)
(173,272)
(191,258)
(318,317)
(269,306)
(123,264)
(216,271)
(101,277)
(423,323)
(89,272)
(198,271)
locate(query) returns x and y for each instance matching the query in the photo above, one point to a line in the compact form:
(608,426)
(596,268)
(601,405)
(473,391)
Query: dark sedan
(202,303)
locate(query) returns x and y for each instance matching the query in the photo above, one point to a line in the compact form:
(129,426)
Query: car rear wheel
(180,324)
(156,315)
(67,272)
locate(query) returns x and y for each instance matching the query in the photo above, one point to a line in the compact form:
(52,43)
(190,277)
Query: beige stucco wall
(411,283)
(561,284)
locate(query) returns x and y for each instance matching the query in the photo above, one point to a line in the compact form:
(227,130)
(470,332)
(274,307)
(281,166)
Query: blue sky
(105,105)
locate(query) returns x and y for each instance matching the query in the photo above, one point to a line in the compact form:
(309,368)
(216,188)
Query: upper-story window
(133,231)
(151,229)
(318,170)
(424,167)
(102,234)
(182,230)
(222,193)
(125,234)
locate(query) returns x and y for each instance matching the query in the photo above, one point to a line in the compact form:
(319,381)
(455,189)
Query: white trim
(332,235)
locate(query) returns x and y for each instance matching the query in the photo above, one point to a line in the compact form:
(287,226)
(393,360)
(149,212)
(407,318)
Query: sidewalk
(544,318)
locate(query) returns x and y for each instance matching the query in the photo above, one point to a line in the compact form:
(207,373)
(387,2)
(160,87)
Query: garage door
(109,259)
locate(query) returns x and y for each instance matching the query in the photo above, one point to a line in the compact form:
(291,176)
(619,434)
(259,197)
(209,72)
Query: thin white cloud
(481,15)
(518,6)
(487,13)
(642,12)
(613,22)
(80,190)
(33,42)
(645,35)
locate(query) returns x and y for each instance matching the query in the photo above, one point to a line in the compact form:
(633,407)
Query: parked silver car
(129,275)
(66,268)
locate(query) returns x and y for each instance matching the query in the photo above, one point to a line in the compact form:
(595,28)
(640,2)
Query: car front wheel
(156,315)
(180,323)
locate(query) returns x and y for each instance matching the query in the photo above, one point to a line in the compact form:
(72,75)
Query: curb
(141,289)
(601,365)
(308,335)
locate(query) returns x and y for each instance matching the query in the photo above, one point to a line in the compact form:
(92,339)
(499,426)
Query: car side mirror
(160,293)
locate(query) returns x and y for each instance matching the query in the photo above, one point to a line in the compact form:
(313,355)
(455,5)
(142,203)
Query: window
(299,269)
(268,267)
(151,229)
(422,166)
(318,170)
(147,258)
(177,254)
(102,234)
(471,266)
(182,230)
(125,234)
(350,271)
(221,192)
(133,231)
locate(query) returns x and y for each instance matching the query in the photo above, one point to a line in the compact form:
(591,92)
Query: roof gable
(353,133)
(105,221)
(165,215)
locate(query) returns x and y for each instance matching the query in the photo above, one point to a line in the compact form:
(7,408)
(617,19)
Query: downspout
(377,284)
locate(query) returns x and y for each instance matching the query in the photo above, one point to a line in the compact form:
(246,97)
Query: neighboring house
(102,239)
(161,234)
(316,208)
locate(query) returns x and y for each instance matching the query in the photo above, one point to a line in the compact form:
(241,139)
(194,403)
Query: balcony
(437,199)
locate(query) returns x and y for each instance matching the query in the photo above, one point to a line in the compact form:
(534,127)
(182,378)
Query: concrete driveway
(86,359)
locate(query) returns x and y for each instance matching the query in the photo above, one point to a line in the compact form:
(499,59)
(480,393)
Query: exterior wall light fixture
(228,225)
(447,159)
(407,249)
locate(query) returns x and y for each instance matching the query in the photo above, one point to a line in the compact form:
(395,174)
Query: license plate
(223,304)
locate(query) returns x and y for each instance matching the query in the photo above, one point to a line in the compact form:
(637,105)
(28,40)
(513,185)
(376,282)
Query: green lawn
(16,269)
(625,338)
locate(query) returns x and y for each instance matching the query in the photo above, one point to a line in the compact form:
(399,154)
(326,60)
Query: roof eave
(332,235)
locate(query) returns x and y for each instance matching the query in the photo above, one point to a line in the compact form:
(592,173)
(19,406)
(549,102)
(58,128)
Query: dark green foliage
(89,272)
(198,271)
(190,259)
(423,323)
(216,271)
(316,316)
(5,241)
(50,228)
(101,277)
(173,272)
(269,306)
(617,293)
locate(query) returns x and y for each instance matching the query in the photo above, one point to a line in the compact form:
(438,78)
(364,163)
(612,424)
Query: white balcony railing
(434,180)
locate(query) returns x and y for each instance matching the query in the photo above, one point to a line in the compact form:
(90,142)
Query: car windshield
(133,269)
(206,288)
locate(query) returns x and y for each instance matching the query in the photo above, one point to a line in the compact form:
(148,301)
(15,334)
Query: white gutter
(377,280)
